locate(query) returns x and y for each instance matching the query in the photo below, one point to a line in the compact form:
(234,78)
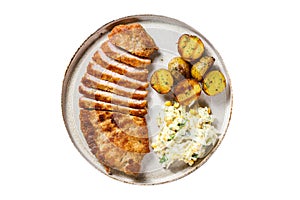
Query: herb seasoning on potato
(200,68)
(187,91)
(190,47)
(179,69)
(161,81)
(214,83)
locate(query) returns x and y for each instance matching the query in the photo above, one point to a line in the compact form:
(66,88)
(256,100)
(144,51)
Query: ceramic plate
(165,32)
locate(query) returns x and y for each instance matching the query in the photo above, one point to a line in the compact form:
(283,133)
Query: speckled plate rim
(93,38)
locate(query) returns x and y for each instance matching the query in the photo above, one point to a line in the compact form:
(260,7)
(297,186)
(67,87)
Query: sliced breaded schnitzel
(113,101)
(92,104)
(109,97)
(93,82)
(113,77)
(123,56)
(108,63)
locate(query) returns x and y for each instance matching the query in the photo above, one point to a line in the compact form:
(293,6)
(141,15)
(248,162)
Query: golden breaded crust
(108,97)
(93,82)
(113,77)
(134,39)
(118,67)
(92,104)
(122,56)
(119,141)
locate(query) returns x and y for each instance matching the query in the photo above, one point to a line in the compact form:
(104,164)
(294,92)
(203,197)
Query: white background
(259,42)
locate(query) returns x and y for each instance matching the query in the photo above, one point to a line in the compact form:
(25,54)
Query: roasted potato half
(200,68)
(161,81)
(190,47)
(187,91)
(214,83)
(179,69)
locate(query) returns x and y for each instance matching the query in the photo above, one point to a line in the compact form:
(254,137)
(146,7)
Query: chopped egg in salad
(184,135)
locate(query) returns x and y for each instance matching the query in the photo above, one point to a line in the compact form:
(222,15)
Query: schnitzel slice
(92,104)
(134,39)
(123,56)
(109,97)
(113,77)
(106,62)
(93,82)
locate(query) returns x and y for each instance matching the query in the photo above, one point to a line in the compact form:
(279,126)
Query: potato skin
(190,47)
(187,91)
(162,81)
(200,68)
(214,83)
(179,69)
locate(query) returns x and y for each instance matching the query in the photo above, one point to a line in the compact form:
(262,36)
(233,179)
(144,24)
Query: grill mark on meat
(113,104)
(132,125)
(123,56)
(91,104)
(93,82)
(111,98)
(101,59)
(105,74)
(129,141)
(107,152)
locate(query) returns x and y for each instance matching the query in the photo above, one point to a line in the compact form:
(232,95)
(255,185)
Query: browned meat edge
(111,98)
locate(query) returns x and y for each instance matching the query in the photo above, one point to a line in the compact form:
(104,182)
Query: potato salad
(184,135)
